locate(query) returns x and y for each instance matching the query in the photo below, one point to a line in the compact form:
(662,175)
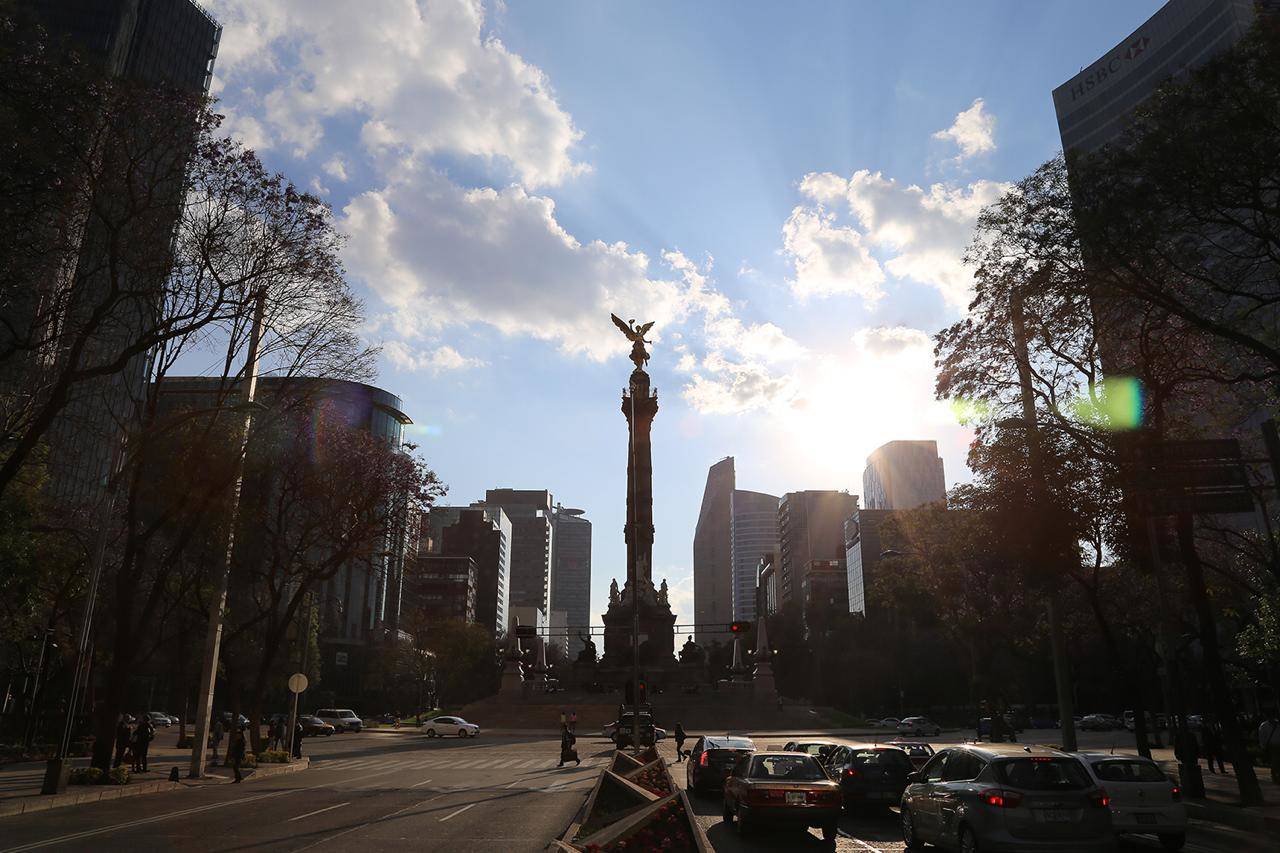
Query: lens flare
(969,412)
(1116,405)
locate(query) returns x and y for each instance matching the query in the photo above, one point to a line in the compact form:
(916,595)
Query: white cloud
(336,168)
(888,340)
(439,360)
(421,78)
(850,233)
(973,131)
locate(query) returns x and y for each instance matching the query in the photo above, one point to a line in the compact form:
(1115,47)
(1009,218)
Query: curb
(100,793)
(1233,816)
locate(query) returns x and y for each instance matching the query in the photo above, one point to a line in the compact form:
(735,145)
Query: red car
(785,789)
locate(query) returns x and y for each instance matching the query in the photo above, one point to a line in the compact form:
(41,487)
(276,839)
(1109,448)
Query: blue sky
(786,188)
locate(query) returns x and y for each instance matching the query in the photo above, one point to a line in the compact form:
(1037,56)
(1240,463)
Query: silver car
(1006,797)
(1143,798)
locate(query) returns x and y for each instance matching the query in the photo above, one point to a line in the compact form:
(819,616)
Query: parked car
(159,719)
(918,752)
(241,719)
(919,726)
(314,726)
(446,725)
(711,759)
(1143,798)
(1097,723)
(342,719)
(888,723)
(786,789)
(819,749)
(625,730)
(1012,797)
(870,774)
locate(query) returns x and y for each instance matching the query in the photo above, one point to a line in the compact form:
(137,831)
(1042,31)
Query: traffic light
(643,688)
(740,627)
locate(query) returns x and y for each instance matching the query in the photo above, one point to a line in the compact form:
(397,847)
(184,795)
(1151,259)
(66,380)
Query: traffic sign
(297,683)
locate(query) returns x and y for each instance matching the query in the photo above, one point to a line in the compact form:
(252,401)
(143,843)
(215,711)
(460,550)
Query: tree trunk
(1224,708)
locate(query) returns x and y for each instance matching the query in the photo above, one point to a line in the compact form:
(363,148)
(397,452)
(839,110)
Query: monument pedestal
(657,630)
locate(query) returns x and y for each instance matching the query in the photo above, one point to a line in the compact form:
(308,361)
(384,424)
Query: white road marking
(865,845)
(349,830)
(317,811)
(458,812)
(420,784)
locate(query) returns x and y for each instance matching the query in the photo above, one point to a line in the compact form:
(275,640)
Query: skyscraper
(484,535)
(862,553)
(532,544)
(810,527)
(713,552)
(571,573)
(903,475)
(753,532)
(1183,35)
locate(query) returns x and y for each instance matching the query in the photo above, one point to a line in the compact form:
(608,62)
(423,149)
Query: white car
(1143,799)
(919,726)
(342,719)
(159,719)
(888,723)
(445,726)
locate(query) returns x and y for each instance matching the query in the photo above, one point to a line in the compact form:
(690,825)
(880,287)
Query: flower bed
(653,777)
(666,826)
(638,809)
(612,799)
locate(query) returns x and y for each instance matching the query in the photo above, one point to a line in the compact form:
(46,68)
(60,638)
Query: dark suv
(711,759)
(870,775)
(1029,799)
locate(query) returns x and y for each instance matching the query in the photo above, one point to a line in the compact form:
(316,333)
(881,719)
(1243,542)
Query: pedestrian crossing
(386,762)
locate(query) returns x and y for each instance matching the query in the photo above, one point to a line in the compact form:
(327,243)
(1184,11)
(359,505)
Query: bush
(273,756)
(118,776)
(85,776)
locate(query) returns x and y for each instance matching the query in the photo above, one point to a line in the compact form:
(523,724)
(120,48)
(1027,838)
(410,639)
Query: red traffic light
(740,627)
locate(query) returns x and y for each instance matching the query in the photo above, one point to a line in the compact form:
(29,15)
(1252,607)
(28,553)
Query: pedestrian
(142,737)
(1269,743)
(297,741)
(573,721)
(679,736)
(235,751)
(564,723)
(123,736)
(218,731)
(567,751)
(1213,747)
(277,734)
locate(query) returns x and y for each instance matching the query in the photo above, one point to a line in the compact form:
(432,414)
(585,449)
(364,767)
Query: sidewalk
(20,783)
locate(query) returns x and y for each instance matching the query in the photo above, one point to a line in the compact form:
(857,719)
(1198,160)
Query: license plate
(1055,815)
(1147,818)
(795,798)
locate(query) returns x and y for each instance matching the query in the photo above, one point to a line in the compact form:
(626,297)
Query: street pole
(35,690)
(1057,641)
(306,659)
(213,638)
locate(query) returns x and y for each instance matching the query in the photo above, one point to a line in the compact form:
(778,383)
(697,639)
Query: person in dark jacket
(236,751)
(679,738)
(297,740)
(142,737)
(1212,748)
(567,751)
(123,738)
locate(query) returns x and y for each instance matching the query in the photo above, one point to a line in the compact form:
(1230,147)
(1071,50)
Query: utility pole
(213,638)
(1035,464)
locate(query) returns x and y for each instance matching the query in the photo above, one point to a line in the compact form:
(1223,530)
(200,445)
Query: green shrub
(118,776)
(85,776)
(273,756)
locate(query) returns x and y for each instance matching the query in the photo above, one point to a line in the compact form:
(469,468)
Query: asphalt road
(374,792)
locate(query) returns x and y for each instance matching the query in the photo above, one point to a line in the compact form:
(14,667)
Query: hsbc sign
(1112,66)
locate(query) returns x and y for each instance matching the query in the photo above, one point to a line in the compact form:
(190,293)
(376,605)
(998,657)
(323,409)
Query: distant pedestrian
(573,721)
(142,737)
(123,736)
(218,731)
(297,741)
(277,734)
(567,750)
(1212,746)
(236,750)
(564,722)
(679,736)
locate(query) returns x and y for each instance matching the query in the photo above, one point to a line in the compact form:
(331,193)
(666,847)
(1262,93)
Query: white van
(342,719)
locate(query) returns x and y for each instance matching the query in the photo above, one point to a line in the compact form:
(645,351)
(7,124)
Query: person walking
(567,751)
(218,731)
(142,737)
(277,734)
(297,741)
(123,738)
(564,722)
(679,737)
(1213,747)
(573,721)
(235,751)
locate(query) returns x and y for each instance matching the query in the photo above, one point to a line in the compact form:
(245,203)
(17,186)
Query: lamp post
(35,688)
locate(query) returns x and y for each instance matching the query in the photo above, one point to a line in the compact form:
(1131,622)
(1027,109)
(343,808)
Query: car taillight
(702,762)
(1000,798)
(1175,793)
(1100,798)
(851,773)
(820,797)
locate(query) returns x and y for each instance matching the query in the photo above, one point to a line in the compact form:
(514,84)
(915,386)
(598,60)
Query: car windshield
(1127,771)
(879,757)
(814,748)
(793,768)
(730,743)
(1042,774)
(916,749)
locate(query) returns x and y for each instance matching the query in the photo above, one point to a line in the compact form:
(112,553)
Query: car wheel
(1173,841)
(462,732)
(431,732)
(473,734)
(909,836)
(968,841)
